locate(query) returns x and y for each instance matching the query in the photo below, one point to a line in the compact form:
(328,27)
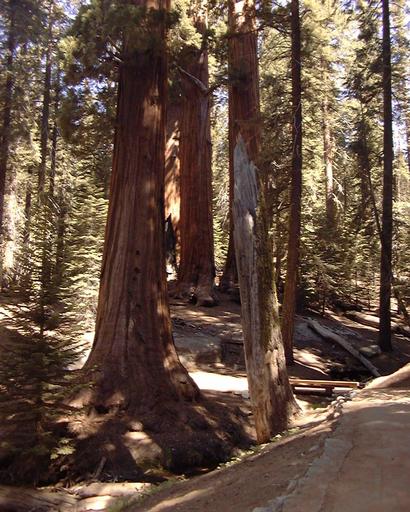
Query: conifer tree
(289,300)
(387,213)
(196,267)
(133,349)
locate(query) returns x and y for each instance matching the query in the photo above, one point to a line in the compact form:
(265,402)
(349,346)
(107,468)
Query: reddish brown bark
(136,364)
(289,299)
(244,76)
(197,269)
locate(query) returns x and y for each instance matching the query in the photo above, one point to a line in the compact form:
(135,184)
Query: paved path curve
(365,464)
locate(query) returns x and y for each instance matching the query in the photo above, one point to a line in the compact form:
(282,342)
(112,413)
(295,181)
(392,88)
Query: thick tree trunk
(133,359)
(292,267)
(270,391)
(197,268)
(387,214)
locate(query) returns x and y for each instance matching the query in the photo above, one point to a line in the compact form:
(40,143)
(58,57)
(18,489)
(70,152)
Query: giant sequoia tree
(196,268)
(133,351)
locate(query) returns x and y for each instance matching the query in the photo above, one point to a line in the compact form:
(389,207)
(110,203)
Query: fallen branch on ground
(330,335)
(373,321)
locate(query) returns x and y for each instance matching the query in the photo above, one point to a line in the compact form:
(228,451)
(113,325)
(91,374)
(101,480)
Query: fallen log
(373,321)
(362,318)
(91,497)
(330,335)
(23,500)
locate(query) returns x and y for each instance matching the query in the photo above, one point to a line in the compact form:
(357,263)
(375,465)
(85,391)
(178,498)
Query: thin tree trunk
(7,107)
(229,278)
(328,161)
(197,268)
(27,207)
(60,242)
(137,368)
(387,214)
(45,113)
(289,300)
(365,167)
(54,136)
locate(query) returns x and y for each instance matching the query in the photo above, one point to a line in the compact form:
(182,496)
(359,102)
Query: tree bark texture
(270,392)
(293,256)
(197,268)
(137,367)
(387,212)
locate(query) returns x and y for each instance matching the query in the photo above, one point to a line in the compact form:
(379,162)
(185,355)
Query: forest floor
(208,341)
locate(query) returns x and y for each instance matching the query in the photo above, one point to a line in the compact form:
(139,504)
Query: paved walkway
(365,464)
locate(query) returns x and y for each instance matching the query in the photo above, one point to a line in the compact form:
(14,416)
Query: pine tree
(387,214)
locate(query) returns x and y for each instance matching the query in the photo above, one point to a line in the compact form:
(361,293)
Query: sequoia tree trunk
(387,213)
(133,358)
(289,299)
(197,268)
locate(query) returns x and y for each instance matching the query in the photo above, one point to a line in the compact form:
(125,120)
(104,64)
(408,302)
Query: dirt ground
(247,484)
(208,341)
(219,329)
